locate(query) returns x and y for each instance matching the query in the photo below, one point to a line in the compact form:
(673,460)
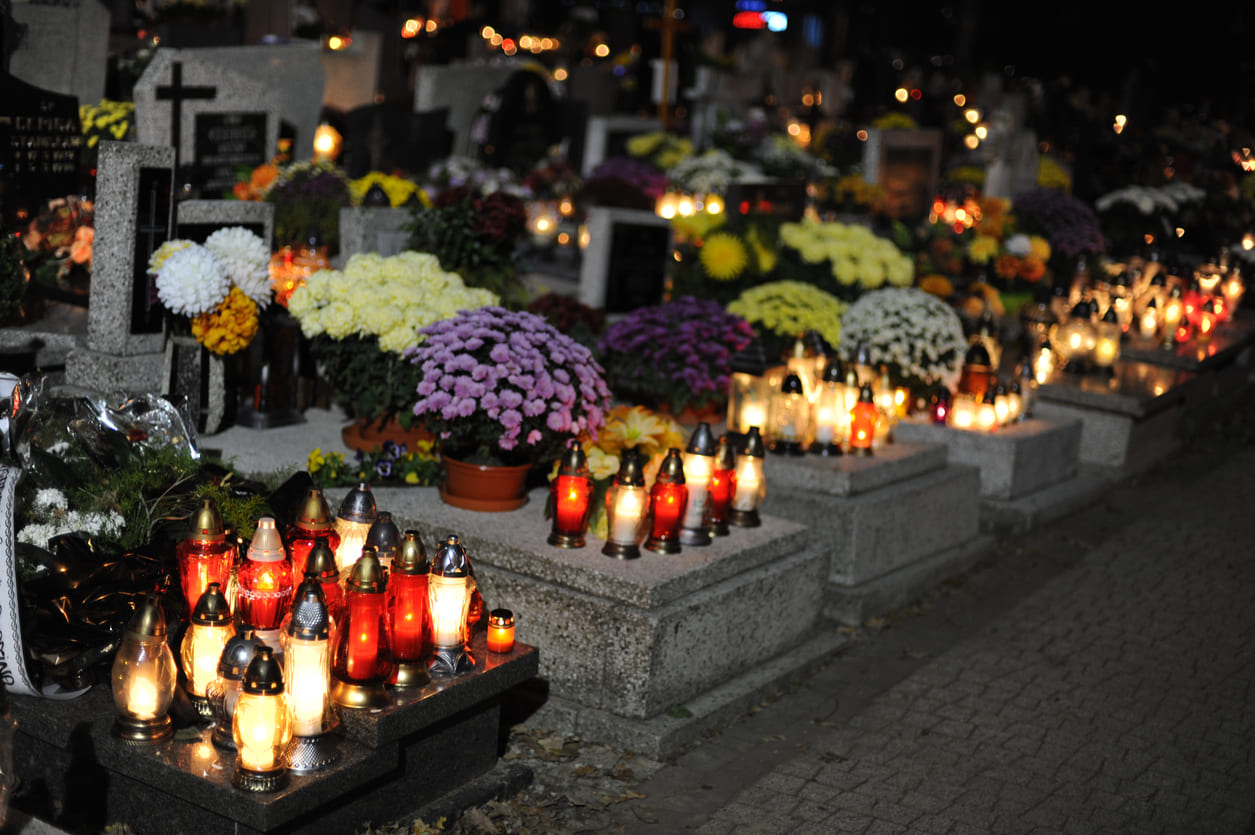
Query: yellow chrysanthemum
(696,226)
(1039,248)
(723,256)
(230,327)
(937,285)
(982,248)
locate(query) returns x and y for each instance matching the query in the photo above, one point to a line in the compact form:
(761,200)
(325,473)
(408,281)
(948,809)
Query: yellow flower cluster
(788,308)
(854,254)
(662,149)
(391,298)
(723,256)
(894,121)
(230,327)
(1051,174)
(696,226)
(398,189)
(852,189)
(107,120)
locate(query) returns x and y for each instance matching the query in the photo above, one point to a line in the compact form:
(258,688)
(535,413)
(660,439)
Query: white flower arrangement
(391,298)
(709,173)
(467,171)
(782,157)
(909,328)
(1147,200)
(853,252)
(52,508)
(193,279)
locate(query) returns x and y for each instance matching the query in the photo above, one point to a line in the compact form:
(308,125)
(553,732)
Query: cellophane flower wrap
(506,387)
(361,320)
(916,334)
(678,353)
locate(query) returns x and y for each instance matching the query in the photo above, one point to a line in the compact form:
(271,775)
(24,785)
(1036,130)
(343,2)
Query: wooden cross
(176,94)
(669,26)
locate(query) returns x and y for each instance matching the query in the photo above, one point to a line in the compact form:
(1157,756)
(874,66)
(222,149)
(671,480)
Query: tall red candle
(863,423)
(313,521)
(265,580)
(205,556)
(571,491)
(363,653)
(667,501)
(722,487)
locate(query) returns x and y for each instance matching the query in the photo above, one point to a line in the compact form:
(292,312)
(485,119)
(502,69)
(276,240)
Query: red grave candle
(363,653)
(667,501)
(312,522)
(863,423)
(205,556)
(722,487)
(265,580)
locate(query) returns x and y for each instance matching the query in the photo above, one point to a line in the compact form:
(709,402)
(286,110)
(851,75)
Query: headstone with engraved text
(625,264)
(40,138)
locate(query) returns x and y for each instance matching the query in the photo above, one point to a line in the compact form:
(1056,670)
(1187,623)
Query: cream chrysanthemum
(246,259)
(165,251)
(192,281)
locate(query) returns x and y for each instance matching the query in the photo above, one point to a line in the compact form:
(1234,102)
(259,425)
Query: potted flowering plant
(675,355)
(918,336)
(844,259)
(780,310)
(59,250)
(503,388)
(363,319)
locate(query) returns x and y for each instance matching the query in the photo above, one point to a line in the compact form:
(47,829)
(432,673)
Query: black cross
(176,93)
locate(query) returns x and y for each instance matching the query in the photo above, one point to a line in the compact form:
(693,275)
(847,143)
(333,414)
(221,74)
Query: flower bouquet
(475,237)
(710,172)
(500,387)
(622,182)
(1068,224)
(220,286)
(362,320)
(398,190)
(780,310)
(844,259)
(916,334)
(307,197)
(721,255)
(677,354)
(59,250)
(663,150)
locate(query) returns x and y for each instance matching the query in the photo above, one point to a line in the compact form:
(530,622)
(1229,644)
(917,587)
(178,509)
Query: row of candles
(697,494)
(300,640)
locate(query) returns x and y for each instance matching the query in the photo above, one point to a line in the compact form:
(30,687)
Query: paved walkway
(1116,698)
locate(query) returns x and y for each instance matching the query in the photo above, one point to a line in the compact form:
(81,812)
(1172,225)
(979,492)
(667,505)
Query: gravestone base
(392,761)
(100,371)
(377,229)
(49,339)
(627,640)
(1046,505)
(1122,444)
(903,512)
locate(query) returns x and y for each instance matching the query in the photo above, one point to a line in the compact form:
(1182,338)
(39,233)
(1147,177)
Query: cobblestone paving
(1117,698)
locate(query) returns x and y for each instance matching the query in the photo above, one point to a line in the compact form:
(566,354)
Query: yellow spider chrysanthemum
(724,256)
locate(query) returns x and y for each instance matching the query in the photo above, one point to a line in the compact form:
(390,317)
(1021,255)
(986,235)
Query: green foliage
(13,277)
(476,238)
(366,381)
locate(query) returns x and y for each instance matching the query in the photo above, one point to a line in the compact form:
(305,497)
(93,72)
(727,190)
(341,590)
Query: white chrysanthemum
(246,259)
(165,251)
(192,281)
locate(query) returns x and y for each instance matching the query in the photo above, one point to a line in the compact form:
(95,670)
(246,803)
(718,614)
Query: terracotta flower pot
(365,434)
(483,488)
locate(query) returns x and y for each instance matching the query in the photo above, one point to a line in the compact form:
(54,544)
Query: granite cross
(176,94)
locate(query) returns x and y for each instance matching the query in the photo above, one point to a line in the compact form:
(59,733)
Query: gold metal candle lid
(501,617)
(206,523)
(321,562)
(412,556)
(672,469)
(834,371)
(315,514)
(264,676)
(358,505)
(148,621)
(792,385)
(367,576)
(212,608)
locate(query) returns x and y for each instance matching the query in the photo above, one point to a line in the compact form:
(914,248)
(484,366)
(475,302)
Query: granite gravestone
(607,136)
(461,88)
(778,198)
(518,123)
(40,138)
(384,137)
(214,119)
(625,264)
(64,48)
(134,215)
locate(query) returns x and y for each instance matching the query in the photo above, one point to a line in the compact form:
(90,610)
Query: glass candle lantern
(1106,349)
(1074,339)
(449,598)
(207,634)
(385,537)
(205,556)
(987,336)
(1206,321)
(1002,404)
(1191,300)
(408,600)
(699,464)
(1028,390)
(829,404)
(789,417)
(353,520)
(668,499)
(987,412)
(224,691)
(1015,401)
(1173,313)
(320,564)
(361,662)
(963,412)
(626,504)
(748,391)
(1233,288)
(307,681)
(722,487)
(806,363)
(571,495)
(977,371)
(863,422)
(313,521)
(940,406)
(1043,364)
(264,594)
(261,726)
(751,482)
(1148,322)
(500,631)
(144,677)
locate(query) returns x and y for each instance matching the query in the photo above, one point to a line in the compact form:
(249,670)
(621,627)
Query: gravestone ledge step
(1050,504)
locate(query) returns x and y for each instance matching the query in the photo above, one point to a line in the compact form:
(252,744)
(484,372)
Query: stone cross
(176,94)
